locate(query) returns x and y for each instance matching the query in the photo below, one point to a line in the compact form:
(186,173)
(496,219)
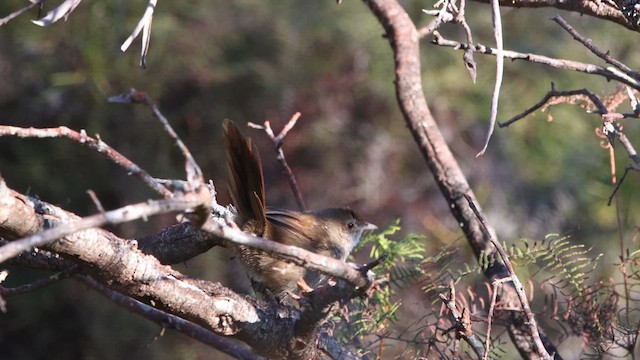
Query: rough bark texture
(178,243)
(601,9)
(404,39)
(269,328)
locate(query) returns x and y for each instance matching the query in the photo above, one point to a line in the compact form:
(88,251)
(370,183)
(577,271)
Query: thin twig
(621,240)
(194,173)
(633,101)
(19,12)
(366,267)
(497,30)
(171,321)
(40,259)
(619,184)
(22,289)
(531,320)
(624,140)
(611,129)
(96,201)
(144,25)
(469,62)
(594,49)
(602,109)
(293,254)
(442,16)
(462,322)
(608,73)
(494,297)
(450,13)
(94,143)
(277,145)
(60,12)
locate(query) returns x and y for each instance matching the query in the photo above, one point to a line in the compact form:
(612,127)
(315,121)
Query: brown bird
(331,232)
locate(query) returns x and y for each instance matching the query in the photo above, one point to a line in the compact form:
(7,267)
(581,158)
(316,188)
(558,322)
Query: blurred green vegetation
(254,60)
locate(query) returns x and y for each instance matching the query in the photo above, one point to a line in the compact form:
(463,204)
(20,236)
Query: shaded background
(255,60)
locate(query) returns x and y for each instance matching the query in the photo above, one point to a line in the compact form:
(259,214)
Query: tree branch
(608,73)
(557,93)
(277,146)
(292,254)
(594,49)
(171,321)
(270,329)
(404,40)
(194,173)
(96,144)
(124,214)
(517,285)
(598,9)
(178,243)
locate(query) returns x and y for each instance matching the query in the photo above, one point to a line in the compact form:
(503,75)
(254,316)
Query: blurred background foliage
(252,60)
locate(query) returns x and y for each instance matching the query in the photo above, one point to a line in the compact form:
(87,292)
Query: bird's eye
(351,224)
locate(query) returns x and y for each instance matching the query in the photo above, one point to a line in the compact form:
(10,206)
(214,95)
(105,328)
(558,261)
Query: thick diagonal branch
(404,39)
(119,264)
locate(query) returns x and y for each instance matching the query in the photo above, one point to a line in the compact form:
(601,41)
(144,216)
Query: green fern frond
(402,266)
(400,276)
(567,263)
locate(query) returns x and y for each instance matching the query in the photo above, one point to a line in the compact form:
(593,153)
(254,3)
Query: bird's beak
(368,226)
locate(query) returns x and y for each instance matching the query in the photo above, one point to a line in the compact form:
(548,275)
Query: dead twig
(194,173)
(497,283)
(469,62)
(441,16)
(495,95)
(169,321)
(619,184)
(601,108)
(96,201)
(22,289)
(366,267)
(144,25)
(277,145)
(611,129)
(522,297)
(93,143)
(608,73)
(15,14)
(594,49)
(292,254)
(452,14)
(462,321)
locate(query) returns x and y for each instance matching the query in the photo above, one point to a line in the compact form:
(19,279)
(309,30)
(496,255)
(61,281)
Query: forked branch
(277,146)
